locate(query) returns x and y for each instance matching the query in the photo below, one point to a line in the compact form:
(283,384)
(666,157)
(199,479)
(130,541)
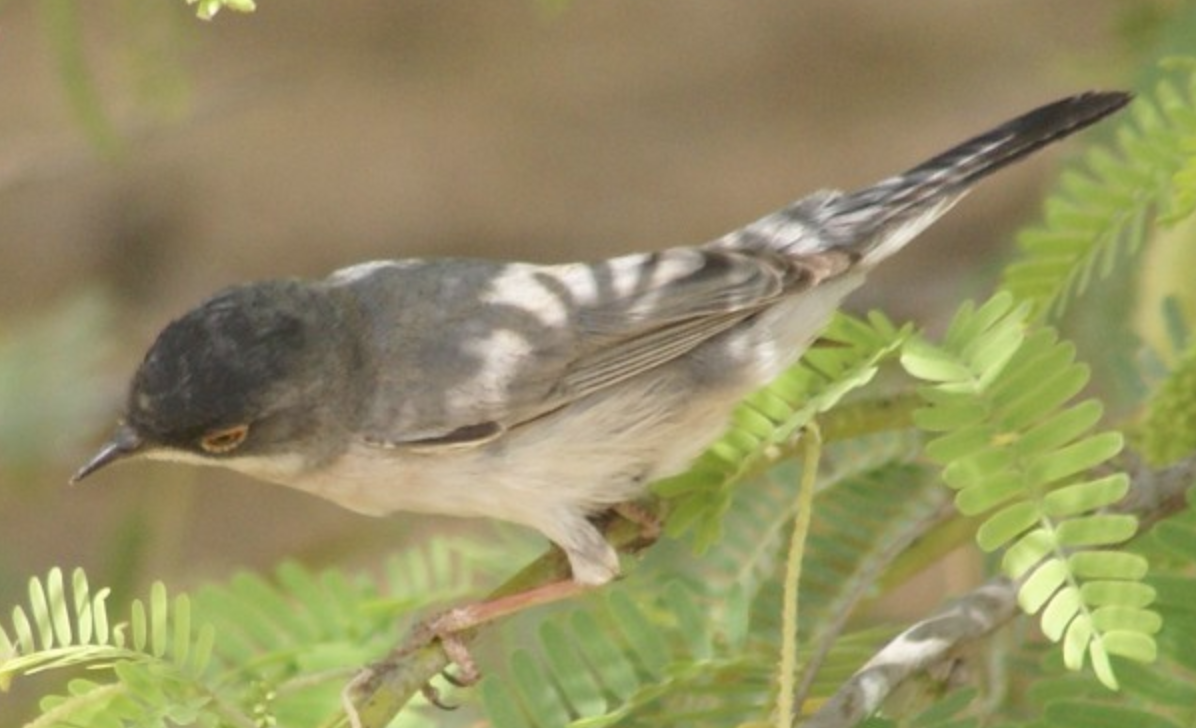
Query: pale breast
(581,459)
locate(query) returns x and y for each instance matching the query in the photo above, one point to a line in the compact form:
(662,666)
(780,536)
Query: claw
(642,516)
(467,670)
(458,654)
(432,695)
(450,630)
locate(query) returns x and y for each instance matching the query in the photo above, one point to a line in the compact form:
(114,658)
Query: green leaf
(535,690)
(1114,618)
(979,468)
(158,621)
(989,354)
(207,9)
(57,604)
(986,493)
(1108,565)
(1080,498)
(1101,665)
(1098,530)
(970,323)
(1049,391)
(1027,552)
(1041,585)
(960,443)
(644,637)
(605,655)
(1074,459)
(39,605)
(139,627)
(99,616)
(1114,593)
(1075,642)
(1060,611)
(83,608)
(24,631)
(1006,525)
(1062,428)
(502,710)
(931,364)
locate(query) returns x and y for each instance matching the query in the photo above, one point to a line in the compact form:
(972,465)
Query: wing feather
(466,350)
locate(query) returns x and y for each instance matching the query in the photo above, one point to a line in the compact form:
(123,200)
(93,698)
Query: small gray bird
(537,394)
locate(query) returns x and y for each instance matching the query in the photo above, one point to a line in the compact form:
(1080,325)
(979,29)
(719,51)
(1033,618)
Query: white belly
(581,460)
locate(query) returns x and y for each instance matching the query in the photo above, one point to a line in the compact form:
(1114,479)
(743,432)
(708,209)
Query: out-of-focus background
(311,135)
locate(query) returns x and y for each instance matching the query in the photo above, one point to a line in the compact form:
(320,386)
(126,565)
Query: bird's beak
(125,443)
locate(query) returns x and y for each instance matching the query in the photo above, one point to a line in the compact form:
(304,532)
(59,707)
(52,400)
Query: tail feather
(872,219)
(875,222)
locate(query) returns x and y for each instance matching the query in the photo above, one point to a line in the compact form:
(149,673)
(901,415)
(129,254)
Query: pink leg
(473,615)
(447,627)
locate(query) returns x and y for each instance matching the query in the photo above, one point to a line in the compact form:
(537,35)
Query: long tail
(876,221)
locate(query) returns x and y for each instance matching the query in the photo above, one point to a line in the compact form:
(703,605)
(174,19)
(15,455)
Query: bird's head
(250,380)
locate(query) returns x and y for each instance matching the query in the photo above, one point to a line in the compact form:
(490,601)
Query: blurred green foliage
(207,9)
(52,391)
(282,636)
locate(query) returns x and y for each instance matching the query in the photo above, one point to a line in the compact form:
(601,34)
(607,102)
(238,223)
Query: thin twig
(925,644)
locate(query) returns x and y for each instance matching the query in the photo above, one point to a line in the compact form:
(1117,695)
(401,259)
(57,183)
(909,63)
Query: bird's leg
(449,629)
(462,619)
(447,626)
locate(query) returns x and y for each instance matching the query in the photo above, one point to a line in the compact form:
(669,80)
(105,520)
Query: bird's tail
(926,191)
(876,221)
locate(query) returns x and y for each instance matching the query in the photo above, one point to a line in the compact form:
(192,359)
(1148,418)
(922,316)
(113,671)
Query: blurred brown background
(312,135)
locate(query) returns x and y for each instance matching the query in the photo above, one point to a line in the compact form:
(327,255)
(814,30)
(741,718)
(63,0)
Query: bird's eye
(226,440)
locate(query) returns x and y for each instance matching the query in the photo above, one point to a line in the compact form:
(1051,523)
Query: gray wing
(462,350)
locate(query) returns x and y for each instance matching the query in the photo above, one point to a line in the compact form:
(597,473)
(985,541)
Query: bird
(539,394)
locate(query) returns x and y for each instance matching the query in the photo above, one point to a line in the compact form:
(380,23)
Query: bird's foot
(644,516)
(451,631)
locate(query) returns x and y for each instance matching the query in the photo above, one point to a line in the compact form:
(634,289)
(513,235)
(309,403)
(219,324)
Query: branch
(924,645)
(1154,495)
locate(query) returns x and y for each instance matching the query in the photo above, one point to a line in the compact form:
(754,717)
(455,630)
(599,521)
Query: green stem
(787,673)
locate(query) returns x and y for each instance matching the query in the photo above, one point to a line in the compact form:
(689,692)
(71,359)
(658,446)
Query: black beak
(125,443)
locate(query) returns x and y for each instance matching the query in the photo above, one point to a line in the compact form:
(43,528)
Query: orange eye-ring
(226,440)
